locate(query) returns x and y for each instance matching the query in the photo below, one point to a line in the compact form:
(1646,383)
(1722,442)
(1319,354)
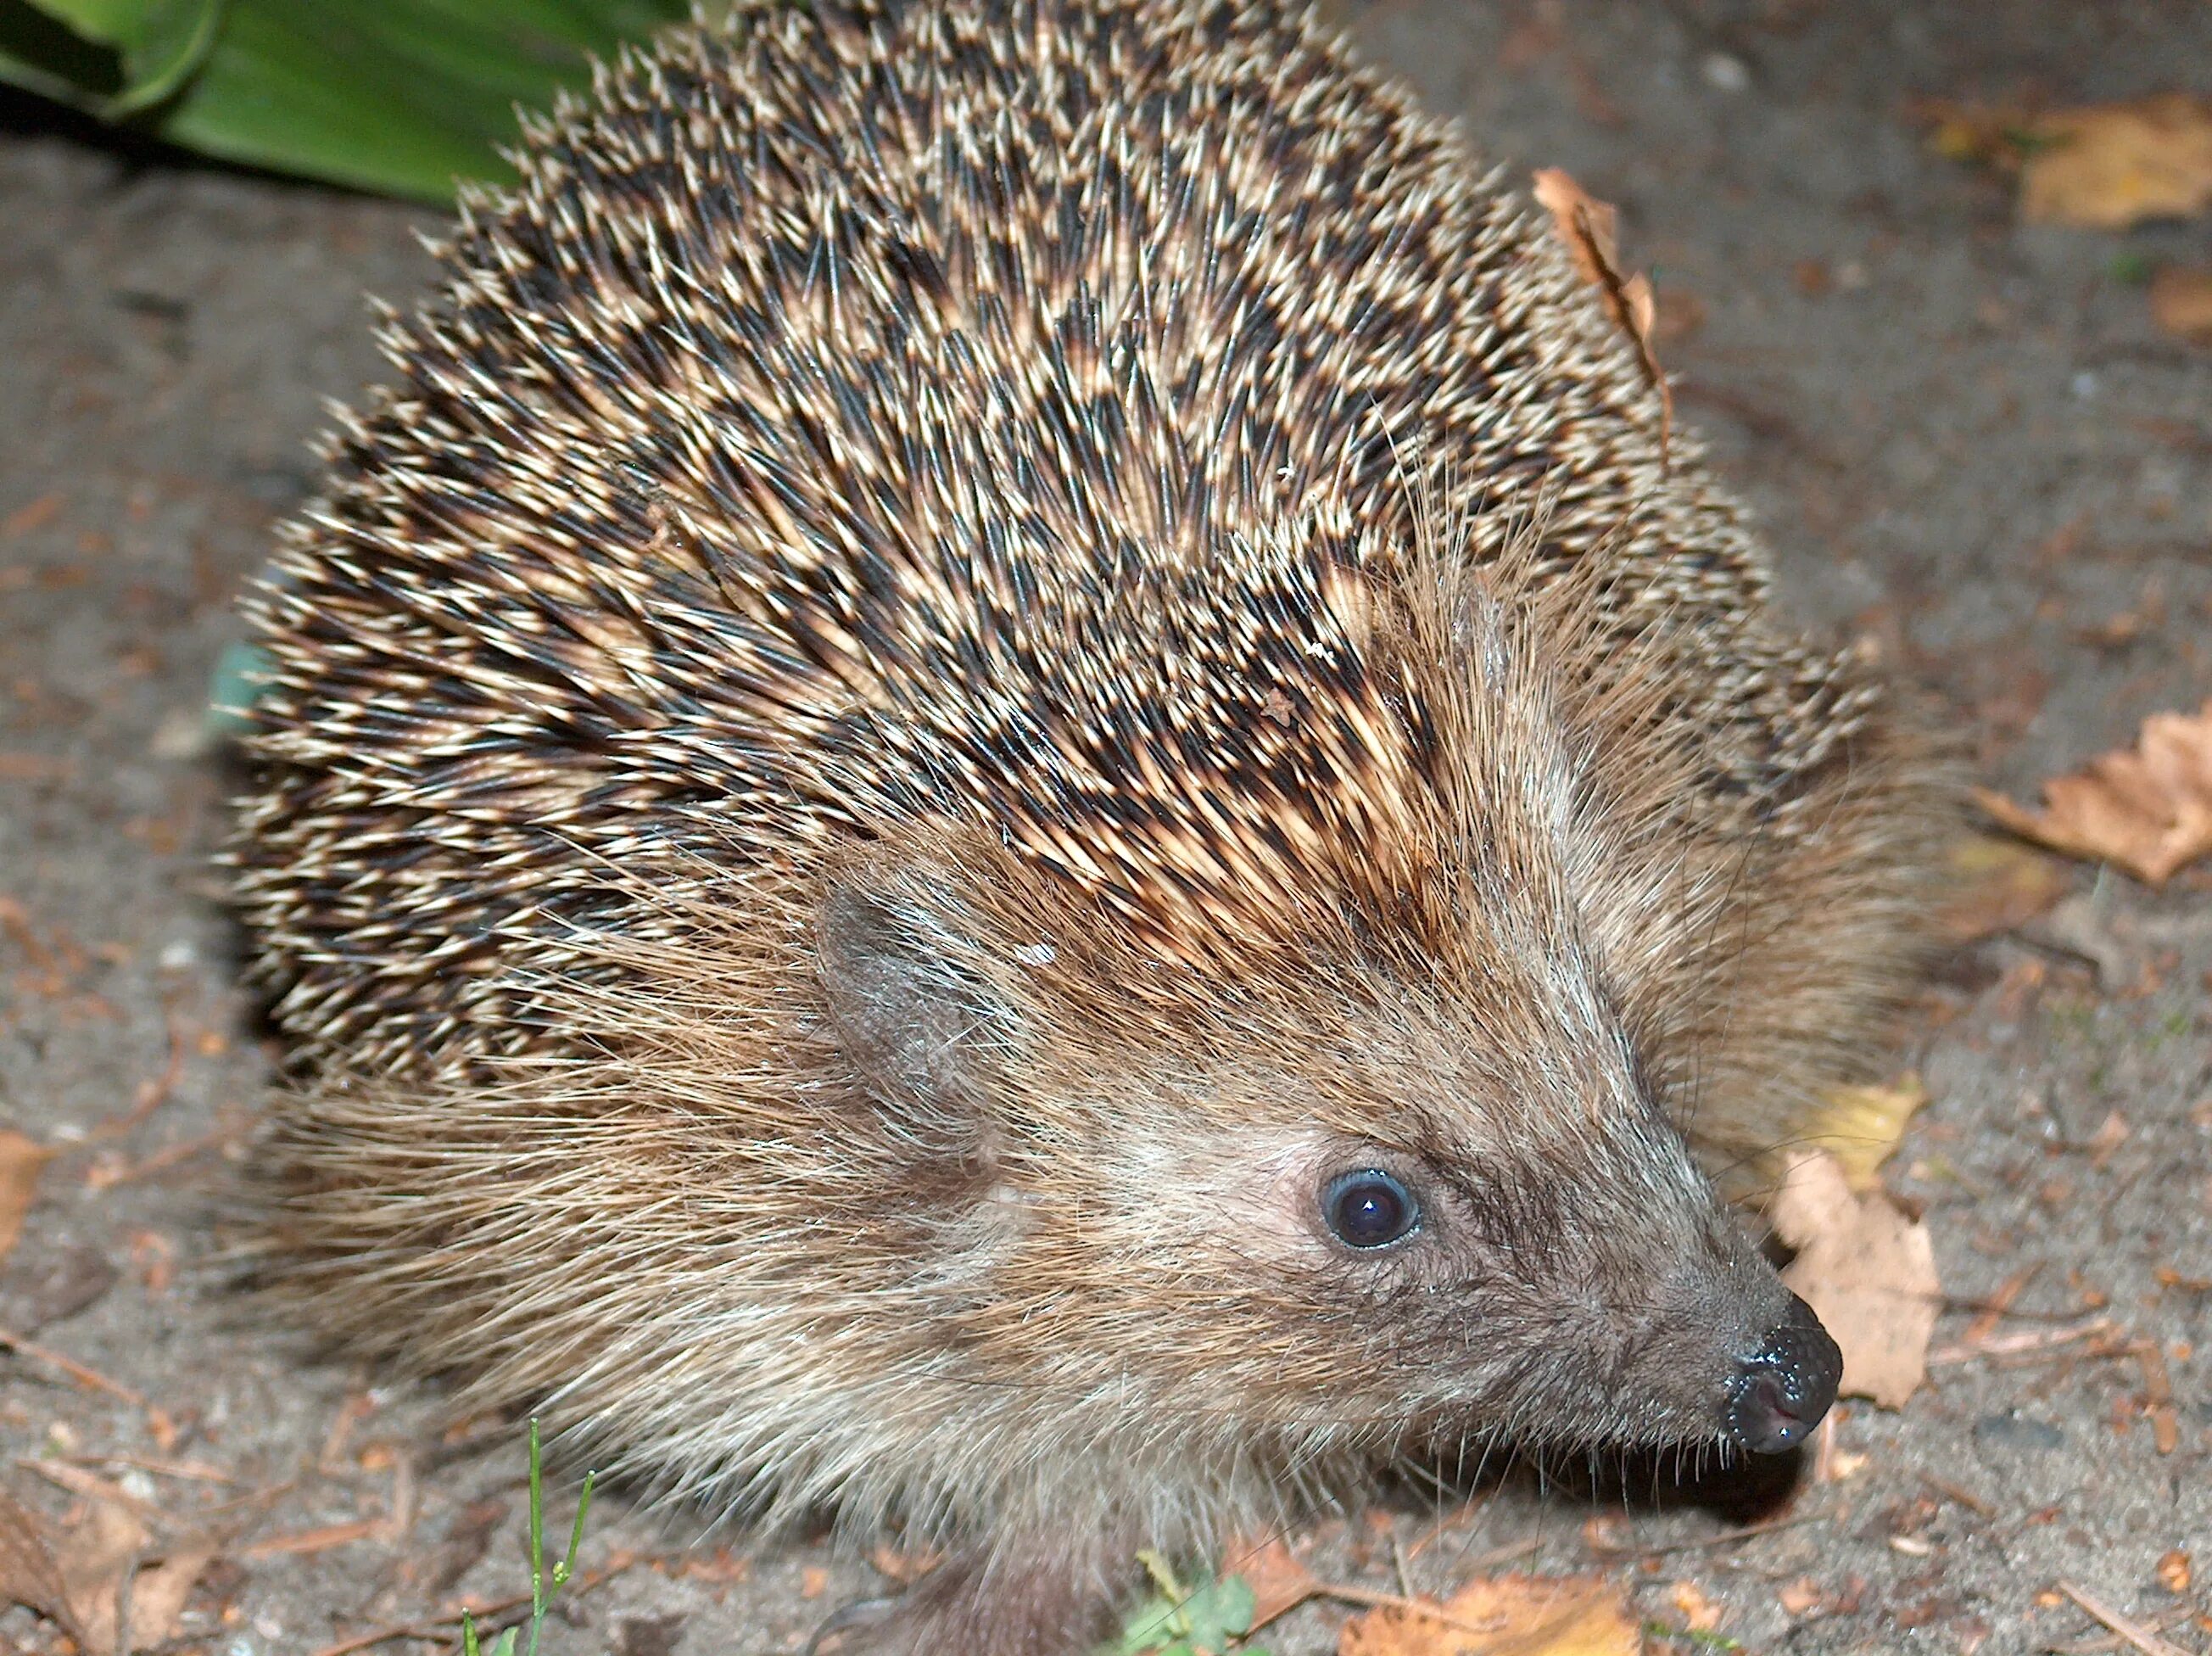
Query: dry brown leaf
(1799,1595)
(2181,303)
(2147,809)
(97,1554)
(28,1575)
(159,1593)
(1279,1582)
(1995,886)
(1522,1615)
(21,1160)
(104,1563)
(1586,226)
(904,1568)
(1699,1611)
(1867,1270)
(2103,167)
(1860,1126)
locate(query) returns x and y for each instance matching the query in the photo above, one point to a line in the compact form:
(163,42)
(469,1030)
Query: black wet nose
(1786,1386)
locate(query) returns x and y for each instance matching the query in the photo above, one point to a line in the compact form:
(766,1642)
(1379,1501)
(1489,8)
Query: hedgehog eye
(1370,1208)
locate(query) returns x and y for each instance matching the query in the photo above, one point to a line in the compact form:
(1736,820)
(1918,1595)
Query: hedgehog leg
(1000,1602)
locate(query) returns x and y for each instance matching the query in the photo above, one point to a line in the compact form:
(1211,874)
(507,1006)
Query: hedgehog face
(1356,1213)
(1578,1291)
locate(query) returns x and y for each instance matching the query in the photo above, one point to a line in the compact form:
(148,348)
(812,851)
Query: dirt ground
(1970,446)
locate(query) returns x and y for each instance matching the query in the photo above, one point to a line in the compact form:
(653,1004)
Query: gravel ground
(1971,447)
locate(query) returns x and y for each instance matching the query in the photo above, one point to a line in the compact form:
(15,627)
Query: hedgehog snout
(1784,1388)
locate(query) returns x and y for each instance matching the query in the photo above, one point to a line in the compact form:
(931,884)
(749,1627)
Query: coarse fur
(982,641)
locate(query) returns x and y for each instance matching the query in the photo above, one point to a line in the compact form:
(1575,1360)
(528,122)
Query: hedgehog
(1017,794)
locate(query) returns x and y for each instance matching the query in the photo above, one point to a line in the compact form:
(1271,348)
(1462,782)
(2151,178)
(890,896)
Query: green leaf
(172,41)
(41,54)
(402,96)
(1176,1621)
(110,22)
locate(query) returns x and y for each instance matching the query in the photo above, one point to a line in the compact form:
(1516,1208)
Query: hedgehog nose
(1786,1386)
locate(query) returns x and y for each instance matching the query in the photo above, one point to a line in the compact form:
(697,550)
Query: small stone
(50,1285)
(2013,1430)
(648,1635)
(1726,72)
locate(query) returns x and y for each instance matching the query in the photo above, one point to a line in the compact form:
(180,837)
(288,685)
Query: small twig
(2158,1395)
(2105,1641)
(2034,1341)
(488,1618)
(2132,1630)
(92,1487)
(1503,1554)
(1458,1518)
(107,1178)
(1995,1307)
(1950,1491)
(151,1093)
(1770,1527)
(1427,1609)
(91,1378)
(425,1633)
(191,1471)
(317,1540)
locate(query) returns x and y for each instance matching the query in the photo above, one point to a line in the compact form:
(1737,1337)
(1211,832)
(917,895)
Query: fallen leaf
(104,1565)
(2181,303)
(1698,1612)
(1868,1270)
(905,1567)
(21,1160)
(1586,226)
(2111,1133)
(160,1592)
(1800,1596)
(97,1555)
(1279,1582)
(2103,167)
(2147,809)
(1860,1126)
(28,1575)
(1997,885)
(1523,1614)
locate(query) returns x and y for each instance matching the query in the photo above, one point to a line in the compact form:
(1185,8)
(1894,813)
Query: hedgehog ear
(906,991)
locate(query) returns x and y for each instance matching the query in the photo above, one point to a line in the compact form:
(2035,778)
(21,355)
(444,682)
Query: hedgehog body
(1014,791)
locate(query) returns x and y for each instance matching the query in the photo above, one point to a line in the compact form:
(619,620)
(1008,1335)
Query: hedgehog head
(1314,1091)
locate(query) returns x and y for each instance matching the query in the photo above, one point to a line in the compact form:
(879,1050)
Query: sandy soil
(1971,447)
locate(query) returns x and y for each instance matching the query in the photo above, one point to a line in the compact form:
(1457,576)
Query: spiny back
(984,410)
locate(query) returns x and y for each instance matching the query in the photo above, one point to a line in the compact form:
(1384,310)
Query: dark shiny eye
(1370,1208)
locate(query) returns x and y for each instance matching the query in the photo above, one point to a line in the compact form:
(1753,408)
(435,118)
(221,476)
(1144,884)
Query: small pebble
(1726,72)
(2014,1430)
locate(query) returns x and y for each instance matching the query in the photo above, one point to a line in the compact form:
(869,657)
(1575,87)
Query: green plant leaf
(1178,1620)
(110,22)
(42,54)
(174,40)
(402,96)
